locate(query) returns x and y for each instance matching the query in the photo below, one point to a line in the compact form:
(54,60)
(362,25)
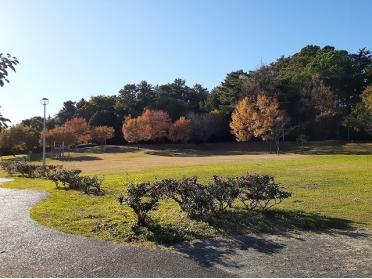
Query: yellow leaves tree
(244,120)
(261,119)
(180,130)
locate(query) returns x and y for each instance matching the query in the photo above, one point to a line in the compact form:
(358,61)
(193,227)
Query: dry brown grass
(130,158)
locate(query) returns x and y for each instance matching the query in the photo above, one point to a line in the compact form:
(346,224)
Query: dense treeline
(321,93)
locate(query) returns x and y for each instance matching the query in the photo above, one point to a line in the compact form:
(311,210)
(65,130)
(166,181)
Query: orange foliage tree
(152,125)
(180,130)
(61,135)
(261,119)
(131,130)
(80,127)
(102,133)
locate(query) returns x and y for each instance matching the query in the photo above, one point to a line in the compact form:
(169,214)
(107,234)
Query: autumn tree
(244,120)
(19,138)
(360,118)
(180,130)
(59,135)
(152,125)
(262,119)
(270,120)
(155,125)
(131,130)
(322,98)
(80,127)
(102,133)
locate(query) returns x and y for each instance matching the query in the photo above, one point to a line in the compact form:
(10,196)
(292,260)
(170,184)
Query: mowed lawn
(331,185)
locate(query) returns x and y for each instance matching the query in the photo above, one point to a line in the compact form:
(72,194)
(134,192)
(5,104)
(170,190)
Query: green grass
(329,191)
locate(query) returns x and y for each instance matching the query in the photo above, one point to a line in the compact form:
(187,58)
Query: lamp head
(44,101)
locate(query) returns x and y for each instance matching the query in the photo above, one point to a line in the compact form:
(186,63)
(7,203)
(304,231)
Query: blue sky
(71,49)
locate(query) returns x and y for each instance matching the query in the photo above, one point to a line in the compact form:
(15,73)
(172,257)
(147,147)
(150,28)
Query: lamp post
(44,102)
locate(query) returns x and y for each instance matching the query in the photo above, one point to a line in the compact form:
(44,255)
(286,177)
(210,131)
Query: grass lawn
(331,185)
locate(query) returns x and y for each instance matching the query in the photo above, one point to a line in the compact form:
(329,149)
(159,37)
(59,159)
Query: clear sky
(71,49)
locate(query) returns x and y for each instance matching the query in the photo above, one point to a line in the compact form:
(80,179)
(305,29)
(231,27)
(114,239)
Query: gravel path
(28,249)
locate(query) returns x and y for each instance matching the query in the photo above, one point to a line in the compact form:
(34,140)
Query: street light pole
(44,102)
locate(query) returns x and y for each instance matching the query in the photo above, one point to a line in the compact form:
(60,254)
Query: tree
(79,126)
(180,130)
(3,122)
(6,62)
(322,99)
(203,126)
(262,119)
(270,121)
(103,118)
(244,120)
(360,118)
(66,113)
(102,133)
(152,125)
(131,130)
(59,135)
(227,95)
(86,109)
(18,139)
(37,123)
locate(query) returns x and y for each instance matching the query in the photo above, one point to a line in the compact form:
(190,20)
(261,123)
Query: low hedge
(256,192)
(69,179)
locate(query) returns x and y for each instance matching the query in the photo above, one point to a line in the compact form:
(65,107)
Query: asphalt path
(28,249)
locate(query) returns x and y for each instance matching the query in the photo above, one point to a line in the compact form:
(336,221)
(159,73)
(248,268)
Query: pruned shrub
(90,185)
(142,198)
(71,180)
(224,192)
(256,192)
(26,169)
(68,178)
(260,191)
(192,197)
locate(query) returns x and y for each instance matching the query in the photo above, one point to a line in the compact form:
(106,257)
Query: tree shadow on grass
(81,158)
(242,231)
(257,148)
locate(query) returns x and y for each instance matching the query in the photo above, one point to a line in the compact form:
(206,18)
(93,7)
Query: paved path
(28,249)
(337,254)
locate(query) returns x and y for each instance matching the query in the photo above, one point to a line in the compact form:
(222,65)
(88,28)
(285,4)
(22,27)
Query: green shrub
(90,185)
(71,180)
(68,178)
(259,191)
(142,198)
(224,192)
(256,192)
(193,198)
(26,169)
